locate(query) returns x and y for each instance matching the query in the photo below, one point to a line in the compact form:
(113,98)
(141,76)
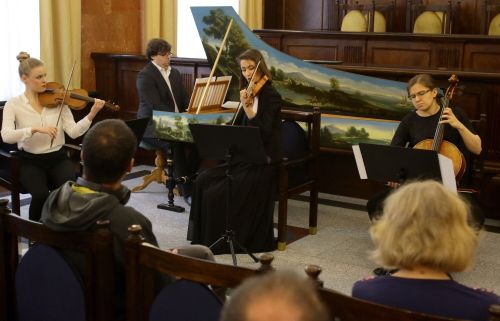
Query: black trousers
(41,173)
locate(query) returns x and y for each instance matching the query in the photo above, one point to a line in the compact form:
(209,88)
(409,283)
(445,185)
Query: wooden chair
(449,11)
(9,176)
(96,248)
(491,21)
(346,308)
(477,161)
(305,164)
(9,170)
(145,261)
(379,15)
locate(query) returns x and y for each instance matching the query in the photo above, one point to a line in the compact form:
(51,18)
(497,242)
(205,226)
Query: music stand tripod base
(173,208)
(170,184)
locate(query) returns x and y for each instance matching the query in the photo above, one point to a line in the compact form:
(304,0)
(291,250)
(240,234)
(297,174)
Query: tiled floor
(340,247)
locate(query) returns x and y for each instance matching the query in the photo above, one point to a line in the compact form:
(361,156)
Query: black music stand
(233,144)
(397,164)
(138,127)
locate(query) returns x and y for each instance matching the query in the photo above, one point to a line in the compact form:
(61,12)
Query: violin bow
(203,94)
(238,109)
(64,98)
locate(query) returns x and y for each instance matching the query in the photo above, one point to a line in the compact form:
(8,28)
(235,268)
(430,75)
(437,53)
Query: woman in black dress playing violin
(251,204)
(421,123)
(39,134)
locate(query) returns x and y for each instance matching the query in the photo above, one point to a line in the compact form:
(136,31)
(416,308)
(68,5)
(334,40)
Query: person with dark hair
(160,88)
(251,202)
(108,155)
(275,296)
(421,124)
(40,136)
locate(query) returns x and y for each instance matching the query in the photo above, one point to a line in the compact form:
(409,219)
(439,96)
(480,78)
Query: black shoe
(187,199)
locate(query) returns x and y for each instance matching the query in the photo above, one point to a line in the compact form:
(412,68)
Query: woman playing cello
(253,185)
(39,135)
(421,123)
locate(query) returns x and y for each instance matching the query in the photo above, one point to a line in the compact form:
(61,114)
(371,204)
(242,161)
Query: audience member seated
(107,152)
(424,233)
(275,296)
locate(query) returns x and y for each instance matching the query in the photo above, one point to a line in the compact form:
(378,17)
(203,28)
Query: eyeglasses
(419,94)
(169,53)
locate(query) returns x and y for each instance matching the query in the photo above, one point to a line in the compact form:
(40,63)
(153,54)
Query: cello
(440,145)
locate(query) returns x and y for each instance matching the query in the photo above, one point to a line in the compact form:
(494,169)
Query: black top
(414,128)
(154,94)
(445,298)
(268,119)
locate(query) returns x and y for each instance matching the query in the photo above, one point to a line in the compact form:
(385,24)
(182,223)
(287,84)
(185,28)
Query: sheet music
(359,162)
(231,104)
(447,174)
(215,94)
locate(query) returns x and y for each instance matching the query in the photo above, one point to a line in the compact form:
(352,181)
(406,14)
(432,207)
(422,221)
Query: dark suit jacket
(268,119)
(154,93)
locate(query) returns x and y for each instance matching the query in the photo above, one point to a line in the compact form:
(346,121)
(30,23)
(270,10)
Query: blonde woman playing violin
(39,136)
(252,188)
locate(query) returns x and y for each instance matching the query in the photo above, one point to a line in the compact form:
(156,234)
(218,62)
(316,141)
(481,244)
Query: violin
(440,145)
(252,91)
(75,98)
(254,88)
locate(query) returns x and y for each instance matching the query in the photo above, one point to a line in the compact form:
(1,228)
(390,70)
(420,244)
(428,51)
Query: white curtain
(160,21)
(19,31)
(60,40)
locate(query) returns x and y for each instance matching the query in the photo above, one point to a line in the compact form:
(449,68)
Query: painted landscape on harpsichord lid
(355,108)
(175,126)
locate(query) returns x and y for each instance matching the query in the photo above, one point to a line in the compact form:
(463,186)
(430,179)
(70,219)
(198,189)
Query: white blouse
(19,117)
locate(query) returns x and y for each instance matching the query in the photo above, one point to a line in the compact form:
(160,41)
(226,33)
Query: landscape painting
(175,126)
(342,131)
(354,101)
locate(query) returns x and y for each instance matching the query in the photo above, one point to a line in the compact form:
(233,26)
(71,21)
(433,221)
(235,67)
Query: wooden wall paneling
(127,75)
(353,52)
(482,57)
(493,111)
(449,57)
(304,48)
(274,42)
(404,54)
(317,14)
(273,14)
(105,79)
(307,15)
(329,15)
(472,97)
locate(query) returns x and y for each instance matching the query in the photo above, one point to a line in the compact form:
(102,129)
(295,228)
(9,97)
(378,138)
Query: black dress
(251,203)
